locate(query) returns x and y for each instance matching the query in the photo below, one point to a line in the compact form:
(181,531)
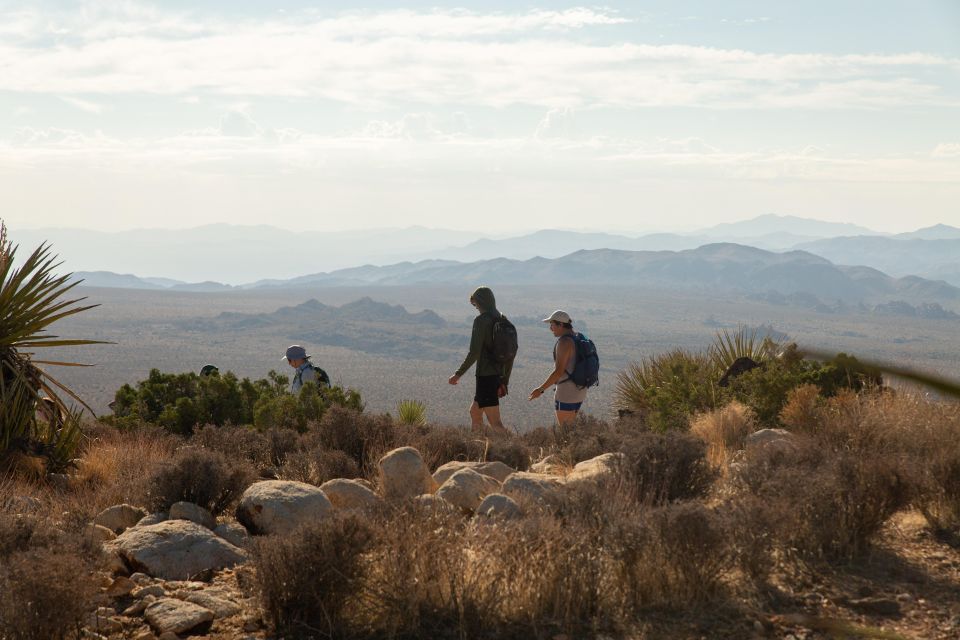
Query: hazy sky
(496,115)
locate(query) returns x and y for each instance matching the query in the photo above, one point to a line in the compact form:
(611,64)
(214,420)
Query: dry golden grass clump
(725,431)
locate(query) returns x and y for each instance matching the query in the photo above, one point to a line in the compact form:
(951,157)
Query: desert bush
(364,437)
(724,430)
(411,412)
(667,467)
(316,466)
(668,388)
(827,503)
(206,478)
(307,579)
(46,580)
(439,445)
(511,452)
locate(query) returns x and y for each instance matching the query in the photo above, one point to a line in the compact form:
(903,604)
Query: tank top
(566,390)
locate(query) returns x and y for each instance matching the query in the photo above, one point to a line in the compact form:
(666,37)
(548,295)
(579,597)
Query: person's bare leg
(566,417)
(493,417)
(476,416)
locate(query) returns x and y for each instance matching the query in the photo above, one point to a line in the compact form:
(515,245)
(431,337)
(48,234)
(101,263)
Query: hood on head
(483,296)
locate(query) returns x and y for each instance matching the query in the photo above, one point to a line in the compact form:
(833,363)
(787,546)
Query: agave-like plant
(745,342)
(412,412)
(31,299)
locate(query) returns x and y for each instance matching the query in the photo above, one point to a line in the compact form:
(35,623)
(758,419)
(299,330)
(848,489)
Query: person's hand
(502,390)
(454,379)
(536,393)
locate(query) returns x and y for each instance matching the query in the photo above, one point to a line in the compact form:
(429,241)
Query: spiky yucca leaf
(412,412)
(745,342)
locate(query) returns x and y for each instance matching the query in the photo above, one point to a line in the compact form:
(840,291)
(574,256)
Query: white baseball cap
(559,316)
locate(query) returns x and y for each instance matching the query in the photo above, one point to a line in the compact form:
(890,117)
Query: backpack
(586,369)
(504,345)
(323,380)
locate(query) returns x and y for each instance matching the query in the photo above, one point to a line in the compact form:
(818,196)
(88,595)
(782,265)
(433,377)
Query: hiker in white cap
(297,358)
(568,397)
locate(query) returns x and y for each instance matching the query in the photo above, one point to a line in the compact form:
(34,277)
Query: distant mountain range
(231,254)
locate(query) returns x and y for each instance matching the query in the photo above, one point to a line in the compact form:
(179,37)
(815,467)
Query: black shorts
(486,395)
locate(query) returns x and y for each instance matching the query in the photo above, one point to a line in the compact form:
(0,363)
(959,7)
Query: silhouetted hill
(897,255)
(936,232)
(112,280)
(713,268)
(775,224)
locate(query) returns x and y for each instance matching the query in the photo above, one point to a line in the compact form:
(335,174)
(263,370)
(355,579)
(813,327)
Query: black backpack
(504,344)
(586,370)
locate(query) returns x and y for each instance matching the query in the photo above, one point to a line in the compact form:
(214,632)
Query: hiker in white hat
(568,397)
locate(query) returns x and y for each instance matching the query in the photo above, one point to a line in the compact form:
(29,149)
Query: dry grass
(724,430)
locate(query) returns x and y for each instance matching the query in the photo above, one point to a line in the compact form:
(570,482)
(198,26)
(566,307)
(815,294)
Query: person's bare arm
(564,351)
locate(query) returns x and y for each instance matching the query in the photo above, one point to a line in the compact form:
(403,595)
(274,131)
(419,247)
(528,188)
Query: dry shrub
(511,452)
(822,503)
(307,578)
(666,467)
(46,579)
(363,437)
(801,412)
(316,466)
(439,445)
(724,430)
(205,478)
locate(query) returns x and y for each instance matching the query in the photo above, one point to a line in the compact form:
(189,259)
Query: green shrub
(182,401)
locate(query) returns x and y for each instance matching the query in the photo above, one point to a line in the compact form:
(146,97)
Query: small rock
(154,590)
(499,506)
(876,606)
(534,487)
(551,465)
(153,518)
(779,438)
(144,634)
(221,607)
(168,635)
(496,470)
(904,597)
(120,587)
(234,533)
(141,579)
(431,502)
(598,469)
(193,513)
(119,517)
(138,607)
(169,615)
(103,623)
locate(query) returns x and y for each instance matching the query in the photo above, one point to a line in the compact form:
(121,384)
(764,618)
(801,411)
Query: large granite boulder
(775,438)
(496,469)
(466,489)
(280,506)
(349,494)
(497,505)
(403,474)
(175,550)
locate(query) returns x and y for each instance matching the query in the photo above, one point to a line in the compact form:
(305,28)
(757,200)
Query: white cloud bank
(440,57)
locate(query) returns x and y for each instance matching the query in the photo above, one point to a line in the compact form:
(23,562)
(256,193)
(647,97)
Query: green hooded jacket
(481,340)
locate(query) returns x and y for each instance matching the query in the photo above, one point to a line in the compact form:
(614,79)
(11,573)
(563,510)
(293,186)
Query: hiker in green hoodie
(492,376)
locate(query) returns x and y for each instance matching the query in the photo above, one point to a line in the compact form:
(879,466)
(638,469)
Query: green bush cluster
(181,401)
(668,389)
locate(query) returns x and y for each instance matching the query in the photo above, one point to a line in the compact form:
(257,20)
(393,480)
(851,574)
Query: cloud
(947,150)
(557,123)
(546,59)
(83,105)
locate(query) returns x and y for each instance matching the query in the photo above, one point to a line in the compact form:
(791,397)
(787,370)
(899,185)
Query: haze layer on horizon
(634,117)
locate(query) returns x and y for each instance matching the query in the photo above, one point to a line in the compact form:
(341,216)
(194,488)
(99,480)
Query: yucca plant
(412,412)
(745,342)
(32,299)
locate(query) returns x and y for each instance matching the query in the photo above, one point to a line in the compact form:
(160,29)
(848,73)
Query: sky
(494,116)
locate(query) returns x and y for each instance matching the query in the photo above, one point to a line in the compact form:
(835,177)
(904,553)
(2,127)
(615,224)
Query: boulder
(779,438)
(603,467)
(169,615)
(235,534)
(551,465)
(403,474)
(280,506)
(193,513)
(495,469)
(432,502)
(175,550)
(534,487)
(120,587)
(97,534)
(349,494)
(119,517)
(153,518)
(497,505)
(466,489)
